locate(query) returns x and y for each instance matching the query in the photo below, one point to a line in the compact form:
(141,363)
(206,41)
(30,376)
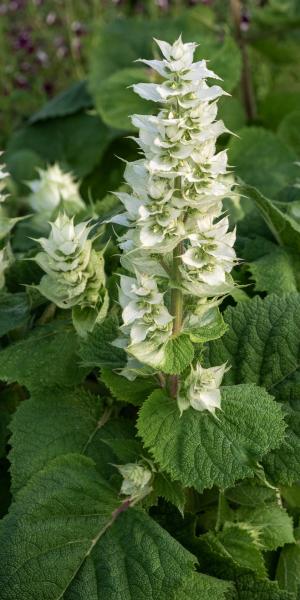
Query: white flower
(201,390)
(3,181)
(174,199)
(136,480)
(6,259)
(74,271)
(54,188)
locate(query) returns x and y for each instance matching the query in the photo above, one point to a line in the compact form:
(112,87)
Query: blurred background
(67,65)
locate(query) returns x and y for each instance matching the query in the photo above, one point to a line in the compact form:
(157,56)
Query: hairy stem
(176,306)
(246,83)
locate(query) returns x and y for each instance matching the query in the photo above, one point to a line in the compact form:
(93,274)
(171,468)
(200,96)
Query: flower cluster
(75,275)
(177,240)
(136,480)
(201,389)
(54,189)
(6,224)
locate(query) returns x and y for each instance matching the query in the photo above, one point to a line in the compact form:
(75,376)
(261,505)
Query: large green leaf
(134,392)
(68,537)
(288,568)
(116,101)
(252,588)
(262,345)
(96,350)
(14,311)
(55,422)
(46,358)
(283,227)
(201,450)
(289,131)
(68,102)
(77,141)
(263,160)
(276,272)
(273,525)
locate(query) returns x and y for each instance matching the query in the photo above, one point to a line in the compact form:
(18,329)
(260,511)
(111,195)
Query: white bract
(75,275)
(136,480)
(54,188)
(200,390)
(6,259)
(3,181)
(177,233)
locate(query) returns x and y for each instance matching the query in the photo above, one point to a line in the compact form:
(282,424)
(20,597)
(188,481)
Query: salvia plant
(154,447)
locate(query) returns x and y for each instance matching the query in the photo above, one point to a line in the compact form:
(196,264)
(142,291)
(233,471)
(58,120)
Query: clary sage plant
(74,272)
(53,189)
(177,249)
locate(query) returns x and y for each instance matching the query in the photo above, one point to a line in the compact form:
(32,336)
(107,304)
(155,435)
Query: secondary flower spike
(177,234)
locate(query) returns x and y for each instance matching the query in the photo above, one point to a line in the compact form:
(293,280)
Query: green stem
(246,83)
(176,306)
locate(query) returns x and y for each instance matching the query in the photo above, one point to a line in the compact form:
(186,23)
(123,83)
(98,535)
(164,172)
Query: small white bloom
(201,390)
(54,188)
(136,480)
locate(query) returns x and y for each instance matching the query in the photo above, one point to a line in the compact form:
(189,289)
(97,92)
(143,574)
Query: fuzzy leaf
(289,130)
(96,350)
(45,358)
(133,392)
(288,568)
(273,524)
(201,450)
(252,588)
(262,346)
(284,228)
(205,587)
(171,357)
(14,311)
(68,102)
(57,422)
(258,152)
(230,553)
(276,273)
(67,536)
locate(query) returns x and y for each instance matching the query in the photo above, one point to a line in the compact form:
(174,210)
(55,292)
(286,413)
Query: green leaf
(288,568)
(272,523)
(230,553)
(179,353)
(125,102)
(283,227)
(134,392)
(289,131)
(262,346)
(14,311)
(68,533)
(277,272)
(201,450)
(77,141)
(68,102)
(96,350)
(204,587)
(171,491)
(60,422)
(252,588)
(250,493)
(256,154)
(208,326)
(45,358)
(277,105)
(171,357)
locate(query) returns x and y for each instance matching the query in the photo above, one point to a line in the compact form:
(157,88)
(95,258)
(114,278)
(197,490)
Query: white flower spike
(174,216)
(54,188)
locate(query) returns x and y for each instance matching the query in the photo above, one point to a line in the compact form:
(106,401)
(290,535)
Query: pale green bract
(136,480)
(177,235)
(75,275)
(54,188)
